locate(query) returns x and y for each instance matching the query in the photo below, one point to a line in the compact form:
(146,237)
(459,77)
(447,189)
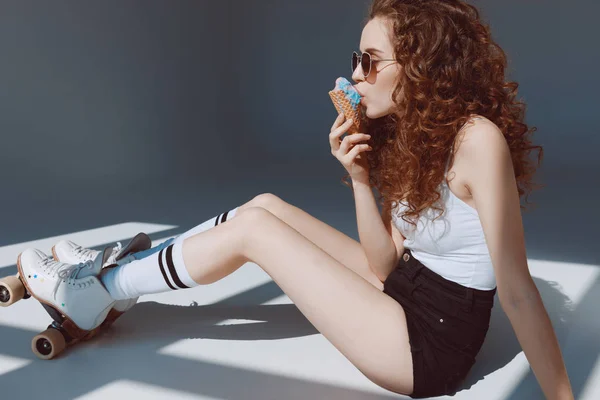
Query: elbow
(378,273)
(516,290)
(386,268)
(384,261)
(515,299)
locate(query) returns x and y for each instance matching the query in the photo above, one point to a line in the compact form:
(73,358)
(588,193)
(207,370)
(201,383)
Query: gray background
(175,111)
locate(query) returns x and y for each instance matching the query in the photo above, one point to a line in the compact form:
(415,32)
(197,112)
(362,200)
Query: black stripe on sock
(172,268)
(162,270)
(224,217)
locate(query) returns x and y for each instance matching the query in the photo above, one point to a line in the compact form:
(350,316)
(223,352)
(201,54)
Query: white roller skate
(72,290)
(72,295)
(68,252)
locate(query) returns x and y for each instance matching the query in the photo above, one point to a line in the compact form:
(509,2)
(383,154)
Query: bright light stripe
(127,389)
(592,387)
(87,238)
(8,363)
(311,358)
(574,280)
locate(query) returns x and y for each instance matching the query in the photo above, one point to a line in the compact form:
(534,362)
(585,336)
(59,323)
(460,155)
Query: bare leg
(366,325)
(340,246)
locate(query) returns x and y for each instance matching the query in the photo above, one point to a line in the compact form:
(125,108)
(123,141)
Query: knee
(268,201)
(254,216)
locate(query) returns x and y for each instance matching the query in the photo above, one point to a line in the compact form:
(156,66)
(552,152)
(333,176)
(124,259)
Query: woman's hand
(348,151)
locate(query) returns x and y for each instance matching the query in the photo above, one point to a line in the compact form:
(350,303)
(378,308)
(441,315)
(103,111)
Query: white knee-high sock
(160,271)
(206,225)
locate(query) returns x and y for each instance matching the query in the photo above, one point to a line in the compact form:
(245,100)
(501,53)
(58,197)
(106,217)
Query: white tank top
(452,246)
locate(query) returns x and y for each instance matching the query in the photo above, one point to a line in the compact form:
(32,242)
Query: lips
(361,95)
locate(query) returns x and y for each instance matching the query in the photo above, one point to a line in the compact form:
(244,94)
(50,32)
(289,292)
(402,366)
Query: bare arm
(535,333)
(376,240)
(492,182)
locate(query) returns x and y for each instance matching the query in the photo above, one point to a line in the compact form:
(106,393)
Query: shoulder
(482,143)
(477,136)
(477,131)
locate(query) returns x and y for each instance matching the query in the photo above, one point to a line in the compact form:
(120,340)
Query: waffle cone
(343,105)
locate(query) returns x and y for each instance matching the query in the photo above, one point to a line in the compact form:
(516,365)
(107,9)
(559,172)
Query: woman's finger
(337,121)
(359,148)
(334,136)
(353,140)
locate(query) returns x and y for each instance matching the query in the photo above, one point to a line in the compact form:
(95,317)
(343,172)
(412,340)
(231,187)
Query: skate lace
(63,271)
(89,254)
(82,252)
(112,259)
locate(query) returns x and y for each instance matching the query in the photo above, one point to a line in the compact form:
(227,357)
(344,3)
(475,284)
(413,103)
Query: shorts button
(441,320)
(406,257)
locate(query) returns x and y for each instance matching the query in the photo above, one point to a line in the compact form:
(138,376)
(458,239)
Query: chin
(373,113)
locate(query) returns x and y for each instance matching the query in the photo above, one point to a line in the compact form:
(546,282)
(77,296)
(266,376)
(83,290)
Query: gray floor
(245,339)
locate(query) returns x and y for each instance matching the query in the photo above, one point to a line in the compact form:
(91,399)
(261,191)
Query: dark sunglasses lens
(366,63)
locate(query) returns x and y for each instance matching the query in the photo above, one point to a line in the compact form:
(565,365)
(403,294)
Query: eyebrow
(373,50)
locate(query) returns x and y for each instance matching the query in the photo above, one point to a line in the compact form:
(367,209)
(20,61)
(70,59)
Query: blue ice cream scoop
(350,92)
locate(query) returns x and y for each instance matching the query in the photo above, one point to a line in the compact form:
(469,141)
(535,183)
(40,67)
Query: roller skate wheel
(48,344)
(11,290)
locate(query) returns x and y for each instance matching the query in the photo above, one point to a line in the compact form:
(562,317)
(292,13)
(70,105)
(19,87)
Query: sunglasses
(365,62)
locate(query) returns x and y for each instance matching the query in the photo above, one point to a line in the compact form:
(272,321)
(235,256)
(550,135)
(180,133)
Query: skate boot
(68,252)
(71,293)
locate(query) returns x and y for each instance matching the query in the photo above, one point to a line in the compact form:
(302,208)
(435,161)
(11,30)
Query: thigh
(340,246)
(367,326)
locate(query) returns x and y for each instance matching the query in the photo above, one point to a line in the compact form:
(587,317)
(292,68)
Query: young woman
(409,305)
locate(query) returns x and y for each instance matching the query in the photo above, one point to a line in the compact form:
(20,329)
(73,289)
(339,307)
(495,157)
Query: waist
(417,270)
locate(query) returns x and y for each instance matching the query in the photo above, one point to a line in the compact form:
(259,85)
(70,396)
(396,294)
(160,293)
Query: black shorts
(447,323)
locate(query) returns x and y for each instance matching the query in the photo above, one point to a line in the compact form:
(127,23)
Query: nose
(357,74)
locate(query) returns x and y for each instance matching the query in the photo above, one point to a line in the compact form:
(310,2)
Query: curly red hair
(451,69)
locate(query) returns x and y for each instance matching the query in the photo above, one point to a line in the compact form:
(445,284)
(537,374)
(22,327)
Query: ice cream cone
(343,105)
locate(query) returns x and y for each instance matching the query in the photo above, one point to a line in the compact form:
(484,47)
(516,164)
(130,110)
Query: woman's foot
(71,253)
(74,290)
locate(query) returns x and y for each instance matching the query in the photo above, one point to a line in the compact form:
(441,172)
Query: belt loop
(410,268)
(469,297)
